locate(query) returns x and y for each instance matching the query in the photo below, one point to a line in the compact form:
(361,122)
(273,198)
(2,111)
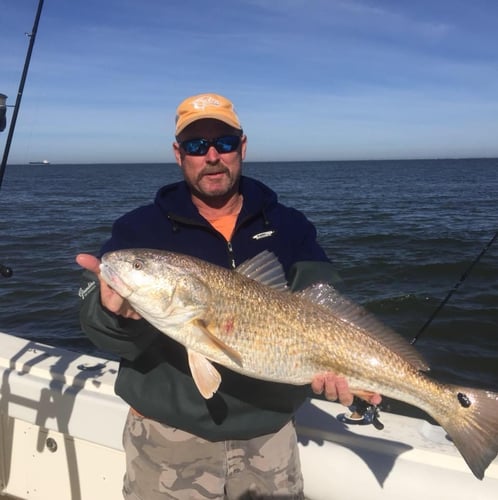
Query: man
(241,443)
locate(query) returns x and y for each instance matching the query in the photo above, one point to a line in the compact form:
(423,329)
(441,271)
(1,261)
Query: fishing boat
(61,426)
(42,162)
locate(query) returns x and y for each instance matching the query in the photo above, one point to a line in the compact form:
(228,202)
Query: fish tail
(472,424)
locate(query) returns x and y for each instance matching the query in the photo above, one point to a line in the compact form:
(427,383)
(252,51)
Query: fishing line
(455,288)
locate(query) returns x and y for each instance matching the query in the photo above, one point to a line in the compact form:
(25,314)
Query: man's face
(214,175)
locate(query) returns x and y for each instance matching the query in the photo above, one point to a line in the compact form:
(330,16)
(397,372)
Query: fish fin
(327,296)
(183,306)
(471,425)
(264,268)
(206,377)
(179,316)
(209,337)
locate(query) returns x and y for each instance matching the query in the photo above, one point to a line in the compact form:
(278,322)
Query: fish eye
(137,264)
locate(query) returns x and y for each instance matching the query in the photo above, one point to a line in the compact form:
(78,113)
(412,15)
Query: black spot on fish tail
(464,400)
(471,424)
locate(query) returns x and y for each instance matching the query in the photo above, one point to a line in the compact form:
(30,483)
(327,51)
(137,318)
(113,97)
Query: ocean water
(401,234)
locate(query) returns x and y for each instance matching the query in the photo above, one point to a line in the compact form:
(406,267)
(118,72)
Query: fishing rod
(6,271)
(32,37)
(455,288)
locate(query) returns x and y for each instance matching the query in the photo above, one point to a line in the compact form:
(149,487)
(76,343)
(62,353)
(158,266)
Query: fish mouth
(112,278)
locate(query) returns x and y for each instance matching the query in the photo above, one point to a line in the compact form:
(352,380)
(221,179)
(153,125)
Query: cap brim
(213,116)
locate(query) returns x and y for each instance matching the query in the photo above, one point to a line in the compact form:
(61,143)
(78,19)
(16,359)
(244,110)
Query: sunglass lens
(195,147)
(227,144)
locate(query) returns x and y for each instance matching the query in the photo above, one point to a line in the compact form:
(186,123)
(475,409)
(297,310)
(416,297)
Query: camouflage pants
(167,463)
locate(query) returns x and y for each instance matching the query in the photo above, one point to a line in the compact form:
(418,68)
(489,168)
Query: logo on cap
(204,101)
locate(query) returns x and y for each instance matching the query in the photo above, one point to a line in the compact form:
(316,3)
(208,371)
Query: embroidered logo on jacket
(83,292)
(266,234)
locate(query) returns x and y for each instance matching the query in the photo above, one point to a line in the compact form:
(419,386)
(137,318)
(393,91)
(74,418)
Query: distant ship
(43,162)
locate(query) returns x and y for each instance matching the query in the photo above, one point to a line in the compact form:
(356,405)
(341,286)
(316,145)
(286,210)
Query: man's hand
(336,388)
(108,297)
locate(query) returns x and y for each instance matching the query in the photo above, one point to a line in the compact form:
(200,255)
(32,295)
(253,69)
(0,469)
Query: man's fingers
(89,262)
(318,384)
(370,397)
(334,387)
(341,389)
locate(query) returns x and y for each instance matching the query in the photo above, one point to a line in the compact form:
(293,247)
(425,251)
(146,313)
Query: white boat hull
(61,427)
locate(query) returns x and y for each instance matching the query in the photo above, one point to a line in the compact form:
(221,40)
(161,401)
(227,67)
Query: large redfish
(246,320)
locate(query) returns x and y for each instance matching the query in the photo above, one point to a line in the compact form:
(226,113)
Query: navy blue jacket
(154,377)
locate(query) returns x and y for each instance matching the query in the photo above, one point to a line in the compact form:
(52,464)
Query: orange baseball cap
(202,106)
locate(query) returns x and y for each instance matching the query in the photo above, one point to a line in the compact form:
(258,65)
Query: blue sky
(311,79)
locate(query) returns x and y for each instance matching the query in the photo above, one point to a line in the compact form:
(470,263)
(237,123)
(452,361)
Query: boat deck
(61,427)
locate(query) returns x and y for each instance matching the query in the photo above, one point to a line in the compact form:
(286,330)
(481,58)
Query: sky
(310,79)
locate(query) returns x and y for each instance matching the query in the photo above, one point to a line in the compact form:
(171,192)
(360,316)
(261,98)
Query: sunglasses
(200,147)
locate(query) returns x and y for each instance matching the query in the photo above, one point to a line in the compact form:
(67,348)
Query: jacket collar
(175,201)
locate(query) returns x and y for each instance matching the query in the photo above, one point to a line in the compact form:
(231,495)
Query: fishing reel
(362,413)
(5,271)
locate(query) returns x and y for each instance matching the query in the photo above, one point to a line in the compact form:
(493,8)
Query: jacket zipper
(190,222)
(231,255)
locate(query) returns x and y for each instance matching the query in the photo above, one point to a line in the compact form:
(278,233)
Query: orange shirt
(225,225)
